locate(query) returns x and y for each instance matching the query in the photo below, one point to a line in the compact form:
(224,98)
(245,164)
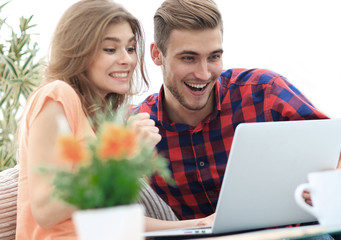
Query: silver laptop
(267,162)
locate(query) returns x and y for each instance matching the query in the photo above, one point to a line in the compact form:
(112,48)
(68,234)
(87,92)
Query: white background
(300,39)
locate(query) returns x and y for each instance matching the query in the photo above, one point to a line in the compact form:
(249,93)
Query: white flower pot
(121,222)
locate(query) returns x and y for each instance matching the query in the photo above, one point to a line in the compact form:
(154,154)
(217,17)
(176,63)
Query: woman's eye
(109,50)
(131,50)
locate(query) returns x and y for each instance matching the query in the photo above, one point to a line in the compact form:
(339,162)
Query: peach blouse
(63,93)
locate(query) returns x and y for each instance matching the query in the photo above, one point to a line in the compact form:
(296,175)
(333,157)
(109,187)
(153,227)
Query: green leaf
(5,96)
(10,65)
(24,23)
(28,62)
(1,6)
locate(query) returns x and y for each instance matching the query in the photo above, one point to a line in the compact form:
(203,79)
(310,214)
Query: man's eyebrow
(115,39)
(188,52)
(218,51)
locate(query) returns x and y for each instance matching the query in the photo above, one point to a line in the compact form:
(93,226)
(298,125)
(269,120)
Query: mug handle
(299,199)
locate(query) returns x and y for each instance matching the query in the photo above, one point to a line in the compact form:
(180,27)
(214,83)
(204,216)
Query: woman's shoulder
(57,88)
(58,91)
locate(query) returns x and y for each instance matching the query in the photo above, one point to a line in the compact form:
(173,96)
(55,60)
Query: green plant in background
(19,76)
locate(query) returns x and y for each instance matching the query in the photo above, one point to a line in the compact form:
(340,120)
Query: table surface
(282,233)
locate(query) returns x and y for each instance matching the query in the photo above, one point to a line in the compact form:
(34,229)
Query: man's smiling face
(191,67)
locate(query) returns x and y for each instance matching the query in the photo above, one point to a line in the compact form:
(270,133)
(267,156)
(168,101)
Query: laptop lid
(266,162)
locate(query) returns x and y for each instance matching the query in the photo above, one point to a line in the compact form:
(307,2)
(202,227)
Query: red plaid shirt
(198,155)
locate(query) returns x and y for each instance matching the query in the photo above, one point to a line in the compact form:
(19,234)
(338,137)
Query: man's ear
(156,54)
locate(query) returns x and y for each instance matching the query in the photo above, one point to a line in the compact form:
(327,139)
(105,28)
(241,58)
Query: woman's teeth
(118,75)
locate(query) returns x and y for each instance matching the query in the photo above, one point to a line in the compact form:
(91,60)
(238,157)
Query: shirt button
(202,164)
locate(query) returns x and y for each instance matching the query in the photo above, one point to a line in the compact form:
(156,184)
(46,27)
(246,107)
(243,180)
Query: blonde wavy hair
(77,39)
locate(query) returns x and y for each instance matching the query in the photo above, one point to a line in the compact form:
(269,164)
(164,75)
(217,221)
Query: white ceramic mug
(325,191)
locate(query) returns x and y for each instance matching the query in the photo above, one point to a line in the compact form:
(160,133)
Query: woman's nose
(125,57)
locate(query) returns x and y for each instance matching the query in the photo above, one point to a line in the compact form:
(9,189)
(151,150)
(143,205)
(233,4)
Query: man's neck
(179,114)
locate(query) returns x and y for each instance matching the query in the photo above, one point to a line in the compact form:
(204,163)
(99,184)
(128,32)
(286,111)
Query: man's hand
(206,221)
(307,198)
(145,128)
(306,195)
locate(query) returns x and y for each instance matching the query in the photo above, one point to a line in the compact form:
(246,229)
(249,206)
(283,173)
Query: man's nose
(202,71)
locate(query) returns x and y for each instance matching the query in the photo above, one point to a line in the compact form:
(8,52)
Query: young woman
(95,48)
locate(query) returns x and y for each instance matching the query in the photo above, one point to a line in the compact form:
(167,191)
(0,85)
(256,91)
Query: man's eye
(215,57)
(188,58)
(109,50)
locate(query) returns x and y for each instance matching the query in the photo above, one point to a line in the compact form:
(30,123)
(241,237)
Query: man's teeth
(198,86)
(119,75)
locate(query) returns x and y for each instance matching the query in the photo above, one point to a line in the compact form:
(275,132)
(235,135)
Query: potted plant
(106,180)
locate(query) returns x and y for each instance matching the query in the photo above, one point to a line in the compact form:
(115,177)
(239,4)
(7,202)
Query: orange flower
(117,142)
(72,149)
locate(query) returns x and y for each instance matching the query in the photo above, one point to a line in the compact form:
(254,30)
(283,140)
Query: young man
(200,105)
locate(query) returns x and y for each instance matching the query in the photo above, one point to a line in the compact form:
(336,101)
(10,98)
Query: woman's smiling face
(112,68)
